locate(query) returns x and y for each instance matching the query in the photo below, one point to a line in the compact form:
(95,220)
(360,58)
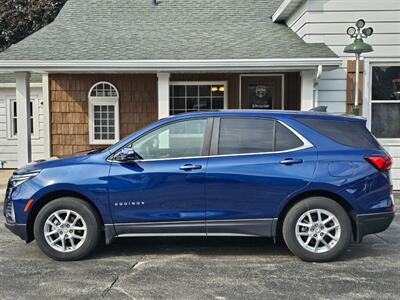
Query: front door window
(180,139)
(261,92)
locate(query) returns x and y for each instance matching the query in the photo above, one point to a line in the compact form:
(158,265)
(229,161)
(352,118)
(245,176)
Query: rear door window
(241,135)
(252,135)
(349,133)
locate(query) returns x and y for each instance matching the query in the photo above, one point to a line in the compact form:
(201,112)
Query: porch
(75,114)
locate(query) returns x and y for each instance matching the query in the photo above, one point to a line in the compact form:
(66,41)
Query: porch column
(163,95)
(24,149)
(46,115)
(307,89)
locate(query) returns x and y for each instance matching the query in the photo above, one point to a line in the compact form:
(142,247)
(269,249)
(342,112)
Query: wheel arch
(45,199)
(315,193)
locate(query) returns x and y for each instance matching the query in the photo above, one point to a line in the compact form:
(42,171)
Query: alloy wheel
(318,230)
(65,230)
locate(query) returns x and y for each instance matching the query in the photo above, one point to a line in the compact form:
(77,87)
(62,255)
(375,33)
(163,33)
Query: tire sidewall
(82,208)
(289,228)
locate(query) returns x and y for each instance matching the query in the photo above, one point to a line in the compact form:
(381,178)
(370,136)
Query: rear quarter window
(349,133)
(285,139)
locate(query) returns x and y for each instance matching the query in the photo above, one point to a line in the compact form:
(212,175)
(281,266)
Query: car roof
(268,113)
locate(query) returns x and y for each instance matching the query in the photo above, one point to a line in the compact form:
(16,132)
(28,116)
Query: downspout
(316,81)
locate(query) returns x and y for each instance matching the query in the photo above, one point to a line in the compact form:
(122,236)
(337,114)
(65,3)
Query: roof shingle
(175,29)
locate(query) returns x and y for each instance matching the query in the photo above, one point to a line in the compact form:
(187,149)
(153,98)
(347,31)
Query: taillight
(381,162)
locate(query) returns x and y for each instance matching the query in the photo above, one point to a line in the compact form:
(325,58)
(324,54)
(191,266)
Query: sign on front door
(261,92)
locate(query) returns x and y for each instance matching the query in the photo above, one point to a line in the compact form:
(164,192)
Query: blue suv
(317,180)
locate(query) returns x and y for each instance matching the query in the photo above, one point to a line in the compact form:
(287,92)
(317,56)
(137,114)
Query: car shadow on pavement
(195,245)
(226,246)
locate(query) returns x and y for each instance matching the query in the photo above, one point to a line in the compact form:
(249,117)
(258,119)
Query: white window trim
(35,100)
(223,82)
(367,98)
(92,101)
(282,75)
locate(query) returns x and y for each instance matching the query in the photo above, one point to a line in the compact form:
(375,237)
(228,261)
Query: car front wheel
(67,229)
(317,229)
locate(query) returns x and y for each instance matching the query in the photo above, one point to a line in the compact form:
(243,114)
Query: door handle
(291,161)
(189,167)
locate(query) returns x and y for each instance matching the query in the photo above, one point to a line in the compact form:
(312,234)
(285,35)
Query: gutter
(46,66)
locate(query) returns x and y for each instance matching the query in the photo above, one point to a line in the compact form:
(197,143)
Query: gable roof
(173,30)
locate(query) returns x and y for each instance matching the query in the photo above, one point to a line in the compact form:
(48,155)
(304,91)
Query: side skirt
(265,227)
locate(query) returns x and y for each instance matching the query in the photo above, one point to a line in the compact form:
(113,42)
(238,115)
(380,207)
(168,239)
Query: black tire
(289,229)
(79,206)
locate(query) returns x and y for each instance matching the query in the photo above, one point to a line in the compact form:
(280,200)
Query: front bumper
(372,223)
(18,229)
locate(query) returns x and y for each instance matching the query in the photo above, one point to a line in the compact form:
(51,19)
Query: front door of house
(262,92)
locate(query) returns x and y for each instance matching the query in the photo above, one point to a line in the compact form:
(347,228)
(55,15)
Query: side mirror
(127,155)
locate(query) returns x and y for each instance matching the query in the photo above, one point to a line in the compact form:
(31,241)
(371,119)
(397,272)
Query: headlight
(16,180)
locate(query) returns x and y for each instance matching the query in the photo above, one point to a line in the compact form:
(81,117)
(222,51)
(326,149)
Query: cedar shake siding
(69,107)
(350,85)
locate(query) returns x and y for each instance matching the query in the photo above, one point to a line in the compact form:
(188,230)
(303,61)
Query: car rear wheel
(317,229)
(67,229)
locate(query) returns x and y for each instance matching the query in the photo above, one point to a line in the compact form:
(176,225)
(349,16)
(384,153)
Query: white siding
(394,151)
(326,21)
(8,146)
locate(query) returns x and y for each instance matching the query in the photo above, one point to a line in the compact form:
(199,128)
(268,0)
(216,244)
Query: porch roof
(10,78)
(173,30)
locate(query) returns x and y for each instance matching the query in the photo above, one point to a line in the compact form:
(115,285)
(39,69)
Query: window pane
(218,103)
(192,90)
(192,103)
(217,90)
(245,136)
(350,133)
(386,120)
(14,126)
(205,104)
(285,139)
(31,108)
(103,90)
(386,83)
(14,112)
(104,122)
(181,139)
(179,103)
(205,90)
(179,91)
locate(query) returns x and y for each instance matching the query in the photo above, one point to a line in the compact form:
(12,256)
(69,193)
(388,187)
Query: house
(111,67)
(8,120)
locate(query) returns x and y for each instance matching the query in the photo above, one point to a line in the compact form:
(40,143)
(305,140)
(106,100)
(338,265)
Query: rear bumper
(372,223)
(18,229)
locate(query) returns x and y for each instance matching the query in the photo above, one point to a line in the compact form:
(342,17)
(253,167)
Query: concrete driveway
(199,268)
